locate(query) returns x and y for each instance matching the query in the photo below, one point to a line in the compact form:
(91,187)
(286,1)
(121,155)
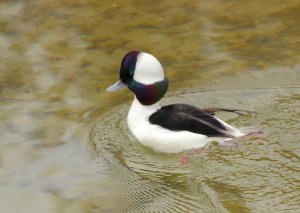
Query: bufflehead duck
(173,128)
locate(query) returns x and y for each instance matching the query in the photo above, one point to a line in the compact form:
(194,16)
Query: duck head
(143,74)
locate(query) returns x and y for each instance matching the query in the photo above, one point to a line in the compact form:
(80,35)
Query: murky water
(64,142)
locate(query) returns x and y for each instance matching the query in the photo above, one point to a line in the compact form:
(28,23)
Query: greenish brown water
(64,142)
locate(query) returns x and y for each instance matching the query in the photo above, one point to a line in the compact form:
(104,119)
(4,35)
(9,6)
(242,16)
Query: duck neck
(149,94)
(139,112)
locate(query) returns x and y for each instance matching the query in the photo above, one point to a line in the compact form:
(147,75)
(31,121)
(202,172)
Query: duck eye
(125,75)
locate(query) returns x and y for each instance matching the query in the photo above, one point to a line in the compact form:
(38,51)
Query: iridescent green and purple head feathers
(128,66)
(147,94)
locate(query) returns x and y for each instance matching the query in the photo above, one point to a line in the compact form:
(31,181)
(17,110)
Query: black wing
(180,117)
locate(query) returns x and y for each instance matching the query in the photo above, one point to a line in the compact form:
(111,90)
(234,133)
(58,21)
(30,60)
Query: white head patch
(148,69)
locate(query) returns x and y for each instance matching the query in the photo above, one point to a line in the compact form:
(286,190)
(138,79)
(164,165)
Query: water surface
(64,142)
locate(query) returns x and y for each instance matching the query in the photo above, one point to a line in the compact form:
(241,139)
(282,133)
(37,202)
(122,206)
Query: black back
(180,117)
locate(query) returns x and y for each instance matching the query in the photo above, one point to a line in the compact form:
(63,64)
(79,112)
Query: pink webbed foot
(254,135)
(185,158)
(252,132)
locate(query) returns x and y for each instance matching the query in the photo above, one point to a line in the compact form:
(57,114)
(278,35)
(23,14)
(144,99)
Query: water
(64,142)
